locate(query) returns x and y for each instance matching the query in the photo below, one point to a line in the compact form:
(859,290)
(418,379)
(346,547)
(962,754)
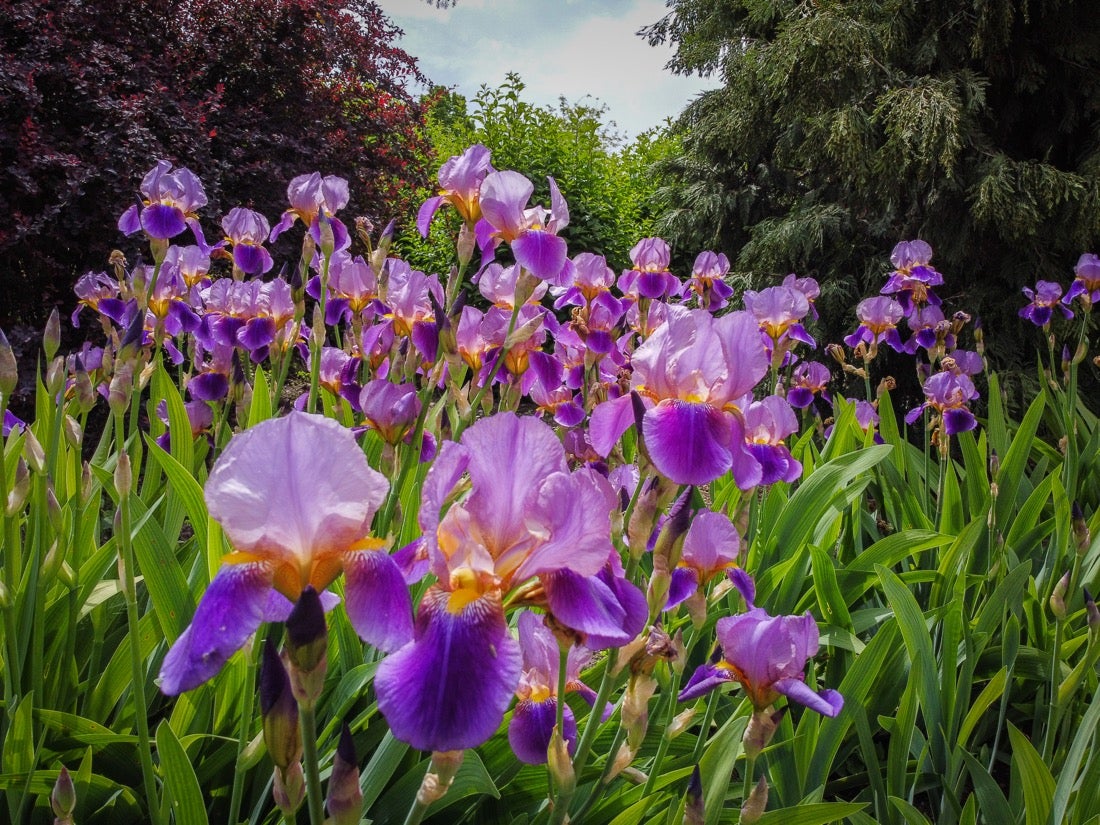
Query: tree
(604,179)
(247,95)
(844,127)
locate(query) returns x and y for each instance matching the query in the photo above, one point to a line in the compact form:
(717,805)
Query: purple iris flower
(878,321)
(767,423)
(533,719)
(650,276)
(779,311)
(391,410)
(808,378)
(767,655)
(913,276)
(694,368)
(531,233)
(1042,300)
(352,286)
(947,394)
(710,548)
(100,293)
(246,231)
(1086,282)
(409,309)
(460,180)
(200,417)
(808,287)
(498,284)
(549,392)
(707,280)
(315,200)
(529,531)
(193,263)
(12,422)
(295,497)
(590,276)
(169,206)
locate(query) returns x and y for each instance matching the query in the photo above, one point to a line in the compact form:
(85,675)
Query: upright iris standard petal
(298,491)
(449,688)
(230,611)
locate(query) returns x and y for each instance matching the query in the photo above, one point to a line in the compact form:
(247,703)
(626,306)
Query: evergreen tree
(844,127)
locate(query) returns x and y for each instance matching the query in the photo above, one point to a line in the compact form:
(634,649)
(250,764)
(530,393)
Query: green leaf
(716,766)
(157,562)
(991,800)
(990,694)
(1011,474)
(183,484)
(1080,750)
(260,408)
(1035,777)
(911,814)
(814,813)
(182,794)
(918,643)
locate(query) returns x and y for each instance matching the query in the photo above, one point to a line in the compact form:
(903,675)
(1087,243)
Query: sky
(585,50)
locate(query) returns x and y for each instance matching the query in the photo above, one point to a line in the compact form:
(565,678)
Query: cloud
(578,51)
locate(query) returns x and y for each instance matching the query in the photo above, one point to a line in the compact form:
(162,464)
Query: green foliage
(842,128)
(606,181)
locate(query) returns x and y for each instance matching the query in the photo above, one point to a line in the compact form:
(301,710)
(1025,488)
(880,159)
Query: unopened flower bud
(9,369)
(55,376)
(17,495)
(53,510)
(1092,612)
(441,773)
(279,710)
(74,433)
(680,723)
(121,387)
(694,813)
(635,708)
(1082,538)
(33,452)
(307,647)
(5,596)
(345,799)
(52,562)
(753,807)
(63,798)
(328,238)
(762,727)
(51,336)
(465,244)
(560,763)
(1058,597)
(289,789)
(836,352)
(124,477)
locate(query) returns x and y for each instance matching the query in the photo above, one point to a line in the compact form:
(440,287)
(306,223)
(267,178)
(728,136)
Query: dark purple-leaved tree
(247,95)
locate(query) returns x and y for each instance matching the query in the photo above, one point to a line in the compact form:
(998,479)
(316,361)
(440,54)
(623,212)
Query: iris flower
(245,231)
(1042,301)
(314,200)
(767,655)
(459,184)
(692,371)
(169,204)
(531,233)
(529,532)
(295,497)
(947,394)
(1086,282)
(533,719)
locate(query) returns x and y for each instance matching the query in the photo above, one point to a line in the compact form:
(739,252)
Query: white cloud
(576,50)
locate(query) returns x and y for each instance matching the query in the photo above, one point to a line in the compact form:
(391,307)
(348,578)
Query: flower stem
(307,716)
(137,671)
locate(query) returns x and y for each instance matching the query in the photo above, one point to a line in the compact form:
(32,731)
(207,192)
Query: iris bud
(307,647)
(51,336)
(9,370)
(1082,538)
(753,807)
(441,773)
(289,789)
(279,710)
(694,813)
(63,798)
(345,799)
(560,763)
(1058,598)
